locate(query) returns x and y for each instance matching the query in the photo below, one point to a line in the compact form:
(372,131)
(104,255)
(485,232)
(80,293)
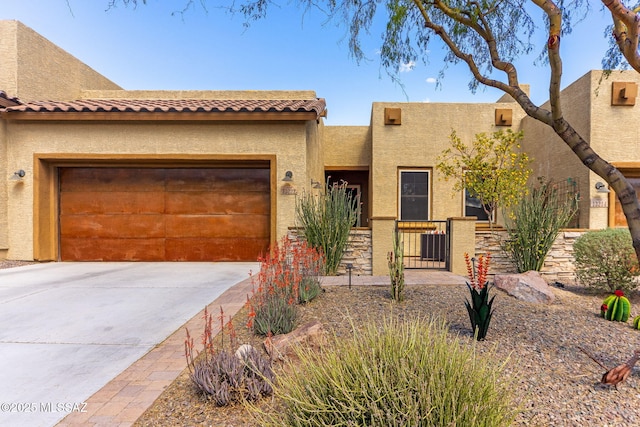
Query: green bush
(275,315)
(309,289)
(289,275)
(606,260)
(400,373)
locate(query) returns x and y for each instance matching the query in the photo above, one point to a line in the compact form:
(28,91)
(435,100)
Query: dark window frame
(412,191)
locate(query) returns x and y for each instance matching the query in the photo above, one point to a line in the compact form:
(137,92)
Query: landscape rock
(282,346)
(244,351)
(529,286)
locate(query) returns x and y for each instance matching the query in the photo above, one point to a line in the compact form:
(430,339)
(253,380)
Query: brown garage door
(154,214)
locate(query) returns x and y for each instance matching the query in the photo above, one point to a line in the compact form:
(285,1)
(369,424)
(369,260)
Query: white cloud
(405,68)
(431,80)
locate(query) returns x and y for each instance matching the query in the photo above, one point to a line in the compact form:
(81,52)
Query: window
(414,195)
(473,206)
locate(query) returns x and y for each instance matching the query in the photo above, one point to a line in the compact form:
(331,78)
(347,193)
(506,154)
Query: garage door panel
(250,226)
(90,202)
(220,249)
(199,202)
(185,214)
(219,179)
(96,226)
(90,249)
(112,179)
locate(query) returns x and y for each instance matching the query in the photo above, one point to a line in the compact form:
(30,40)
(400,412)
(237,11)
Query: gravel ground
(558,384)
(10,264)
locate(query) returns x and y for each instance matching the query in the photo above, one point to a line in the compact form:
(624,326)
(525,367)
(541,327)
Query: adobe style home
(95,172)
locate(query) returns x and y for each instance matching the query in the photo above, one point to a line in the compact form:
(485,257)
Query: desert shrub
(274,315)
(289,274)
(309,288)
(225,377)
(326,220)
(534,223)
(399,373)
(606,260)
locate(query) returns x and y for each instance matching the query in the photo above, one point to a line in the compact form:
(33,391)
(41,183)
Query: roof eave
(162,116)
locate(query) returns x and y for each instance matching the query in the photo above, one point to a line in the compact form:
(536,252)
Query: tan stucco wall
(315,153)
(416,143)
(9,55)
(587,107)
(33,68)
(463,231)
(347,146)
(552,158)
(285,140)
(4,175)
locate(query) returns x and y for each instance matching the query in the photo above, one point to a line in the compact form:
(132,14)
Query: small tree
(326,220)
(534,223)
(491,169)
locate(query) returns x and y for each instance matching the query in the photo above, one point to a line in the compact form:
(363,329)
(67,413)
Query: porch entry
(426,244)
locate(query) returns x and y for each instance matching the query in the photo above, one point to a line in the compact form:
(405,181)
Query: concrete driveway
(67,329)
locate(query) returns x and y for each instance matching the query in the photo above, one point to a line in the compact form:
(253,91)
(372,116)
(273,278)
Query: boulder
(282,346)
(529,286)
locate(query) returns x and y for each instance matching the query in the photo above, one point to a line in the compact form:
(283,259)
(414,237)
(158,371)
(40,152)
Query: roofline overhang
(162,116)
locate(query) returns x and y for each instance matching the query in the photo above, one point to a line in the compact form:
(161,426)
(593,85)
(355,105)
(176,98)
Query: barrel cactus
(636,322)
(616,307)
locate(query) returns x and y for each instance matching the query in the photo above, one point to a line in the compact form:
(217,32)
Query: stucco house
(95,172)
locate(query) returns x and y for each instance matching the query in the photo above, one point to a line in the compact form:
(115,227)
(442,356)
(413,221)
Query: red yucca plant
(224,376)
(480,308)
(289,275)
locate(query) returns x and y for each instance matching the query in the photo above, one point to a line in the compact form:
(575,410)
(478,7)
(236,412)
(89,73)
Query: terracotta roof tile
(172,106)
(7,101)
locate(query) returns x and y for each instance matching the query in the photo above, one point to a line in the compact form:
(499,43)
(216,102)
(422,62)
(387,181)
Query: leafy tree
(492,169)
(486,36)
(626,31)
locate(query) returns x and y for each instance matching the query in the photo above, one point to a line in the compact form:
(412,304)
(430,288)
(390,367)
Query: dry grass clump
(394,373)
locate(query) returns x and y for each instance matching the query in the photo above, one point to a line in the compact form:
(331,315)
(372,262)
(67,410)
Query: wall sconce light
(315,184)
(18,175)
(288,176)
(601,187)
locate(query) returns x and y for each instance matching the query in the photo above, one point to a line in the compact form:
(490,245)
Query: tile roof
(317,105)
(7,101)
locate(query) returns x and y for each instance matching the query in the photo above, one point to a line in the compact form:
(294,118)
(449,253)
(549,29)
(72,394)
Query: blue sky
(148,48)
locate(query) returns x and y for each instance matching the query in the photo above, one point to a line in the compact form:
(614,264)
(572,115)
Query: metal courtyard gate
(425,244)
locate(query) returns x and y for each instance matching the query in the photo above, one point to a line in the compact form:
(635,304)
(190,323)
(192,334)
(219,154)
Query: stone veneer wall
(358,252)
(558,266)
